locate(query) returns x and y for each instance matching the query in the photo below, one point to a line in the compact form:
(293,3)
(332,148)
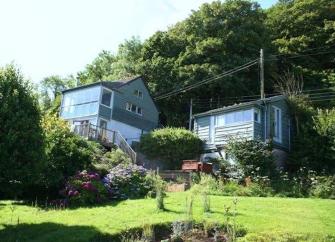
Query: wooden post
(261,62)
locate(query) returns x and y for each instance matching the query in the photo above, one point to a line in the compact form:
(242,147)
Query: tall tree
(305,27)
(108,66)
(216,38)
(21,136)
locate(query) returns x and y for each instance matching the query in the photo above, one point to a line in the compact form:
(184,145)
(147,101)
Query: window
(234,117)
(257,115)
(139,110)
(106,98)
(138,93)
(277,134)
(133,108)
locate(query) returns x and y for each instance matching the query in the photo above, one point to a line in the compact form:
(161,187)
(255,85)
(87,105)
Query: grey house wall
(149,118)
(251,130)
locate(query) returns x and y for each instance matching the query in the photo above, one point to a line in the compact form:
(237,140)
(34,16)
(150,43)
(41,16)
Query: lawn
(303,216)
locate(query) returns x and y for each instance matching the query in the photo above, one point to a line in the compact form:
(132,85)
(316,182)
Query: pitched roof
(240,106)
(109,84)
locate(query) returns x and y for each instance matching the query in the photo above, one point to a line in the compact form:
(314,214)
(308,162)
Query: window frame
(278,137)
(137,94)
(235,123)
(258,111)
(111,99)
(129,107)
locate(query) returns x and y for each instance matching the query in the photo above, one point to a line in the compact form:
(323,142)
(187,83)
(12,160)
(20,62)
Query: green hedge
(171,145)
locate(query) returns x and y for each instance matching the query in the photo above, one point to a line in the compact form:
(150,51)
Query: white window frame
(278,121)
(137,94)
(258,111)
(212,129)
(129,107)
(111,101)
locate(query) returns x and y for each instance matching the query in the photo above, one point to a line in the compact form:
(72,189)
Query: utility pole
(190,119)
(261,63)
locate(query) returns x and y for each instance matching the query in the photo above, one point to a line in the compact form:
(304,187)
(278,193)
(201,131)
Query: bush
(323,187)
(85,188)
(253,156)
(111,159)
(21,135)
(66,153)
(126,181)
(171,145)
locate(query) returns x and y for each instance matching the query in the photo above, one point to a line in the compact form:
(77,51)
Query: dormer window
(138,93)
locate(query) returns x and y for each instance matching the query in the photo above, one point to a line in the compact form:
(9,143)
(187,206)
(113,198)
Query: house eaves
(240,106)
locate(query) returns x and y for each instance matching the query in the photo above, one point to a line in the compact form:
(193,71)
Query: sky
(60,37)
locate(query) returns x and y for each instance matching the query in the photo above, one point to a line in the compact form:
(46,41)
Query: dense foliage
(108,160)
(85,188)
(171,145)
(66,153)
(220,36)
(21,135)
(253,156)
(126,181)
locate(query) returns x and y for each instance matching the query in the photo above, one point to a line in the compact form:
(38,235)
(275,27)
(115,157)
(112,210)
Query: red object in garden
(194,165)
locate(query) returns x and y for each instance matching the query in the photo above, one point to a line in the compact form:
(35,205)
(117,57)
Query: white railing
(106,137)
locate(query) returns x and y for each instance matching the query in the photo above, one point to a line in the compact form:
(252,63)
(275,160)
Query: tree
(109,67)
(66,152)
(216,38)
(300,25)
(21,136)
(51,88)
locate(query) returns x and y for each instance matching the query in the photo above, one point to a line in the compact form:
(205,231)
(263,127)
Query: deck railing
(106,137)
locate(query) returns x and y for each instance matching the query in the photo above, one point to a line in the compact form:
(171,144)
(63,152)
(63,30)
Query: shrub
(323,187)
(126,181)
(21,135)
(85,188)
(158,186)
(171,145)
(66,153)
(110,159)
(253,156)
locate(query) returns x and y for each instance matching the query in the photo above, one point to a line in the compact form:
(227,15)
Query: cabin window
(277,123)
(138,93)
(257,115)
(133,108)
(106,98)
(234,117)
(80,103)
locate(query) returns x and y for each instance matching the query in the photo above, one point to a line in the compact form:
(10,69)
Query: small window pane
(139,110)
(106,98)
(133,108)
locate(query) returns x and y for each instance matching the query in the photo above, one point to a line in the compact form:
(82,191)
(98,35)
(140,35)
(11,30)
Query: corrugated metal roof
(240,106)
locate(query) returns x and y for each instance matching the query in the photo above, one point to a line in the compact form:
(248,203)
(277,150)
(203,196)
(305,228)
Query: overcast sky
(48,37)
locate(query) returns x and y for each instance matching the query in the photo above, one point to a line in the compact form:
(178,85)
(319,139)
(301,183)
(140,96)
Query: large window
(80,103)
(235,117)
(106,97)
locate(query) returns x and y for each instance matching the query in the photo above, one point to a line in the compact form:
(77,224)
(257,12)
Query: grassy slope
(313,216)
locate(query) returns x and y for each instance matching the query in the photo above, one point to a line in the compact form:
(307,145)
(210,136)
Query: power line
(306,50)
(298,56)
(208,80)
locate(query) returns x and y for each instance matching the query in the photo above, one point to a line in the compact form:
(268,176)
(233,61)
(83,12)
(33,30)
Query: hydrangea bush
(85,188)
(127,181)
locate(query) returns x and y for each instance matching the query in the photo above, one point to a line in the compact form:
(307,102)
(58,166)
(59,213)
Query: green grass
(298,216)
